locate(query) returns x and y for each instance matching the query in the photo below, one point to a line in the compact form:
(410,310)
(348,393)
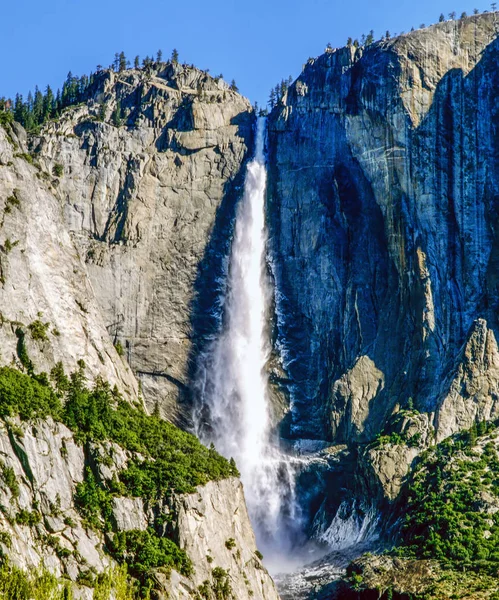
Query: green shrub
(10,478)
(23,395)
(94,502)
(119,348)
(230,543)
(144,551)
(58,170)
(6,117)
(39,330)
(28,518)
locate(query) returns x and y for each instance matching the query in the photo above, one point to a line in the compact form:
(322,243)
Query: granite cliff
(383,215)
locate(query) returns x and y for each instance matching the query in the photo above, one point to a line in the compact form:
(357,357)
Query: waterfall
(233,388)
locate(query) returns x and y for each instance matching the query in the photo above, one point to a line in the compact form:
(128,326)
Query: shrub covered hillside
(452,511)
(448,545)
(162,460)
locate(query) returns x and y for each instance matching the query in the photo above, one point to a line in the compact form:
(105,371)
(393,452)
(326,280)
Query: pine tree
(117,115)
(116,62)
(102,112)
(174,56)
(349,42)
(272,99)
(136,62)
(38,107)
(475,11)
(233,86)
(48,104)
(464,15)
(122,62)
(159,56)
(370,38)
(452,16)
(441,18)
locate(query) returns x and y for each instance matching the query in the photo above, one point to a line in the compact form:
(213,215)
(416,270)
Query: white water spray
(234,385)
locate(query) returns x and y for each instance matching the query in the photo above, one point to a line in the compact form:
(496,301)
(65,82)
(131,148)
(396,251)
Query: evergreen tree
(388,35)
(441,18)
(159,56)
(48,104)
(117,115)
(116,62)
(102,112)
(174,56)
(122,62)
(452,16)
(233,86)
(272,98)
(370,38)
(475,11)
(38,106)
(136,62)
(464,15)
(349,42)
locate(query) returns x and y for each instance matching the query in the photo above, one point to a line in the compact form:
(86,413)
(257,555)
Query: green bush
(230,543)
(58,170)
(94,502)
(28,518)
(144,551)
(10,479)
(39,330)
(25,396)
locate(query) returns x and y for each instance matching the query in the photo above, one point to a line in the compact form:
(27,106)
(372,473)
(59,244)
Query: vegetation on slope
(165,460)
(452,511)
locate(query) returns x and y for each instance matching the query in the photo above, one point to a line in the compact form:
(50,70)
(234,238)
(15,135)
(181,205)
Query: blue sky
(255,43)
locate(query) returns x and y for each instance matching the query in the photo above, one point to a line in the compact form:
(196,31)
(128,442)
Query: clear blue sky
(256,43)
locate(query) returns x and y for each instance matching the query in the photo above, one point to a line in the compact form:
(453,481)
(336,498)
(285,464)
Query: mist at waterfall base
(233,390)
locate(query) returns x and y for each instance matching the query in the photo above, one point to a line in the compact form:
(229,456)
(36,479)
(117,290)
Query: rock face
(211,525)
(384,175)
(149,205)
(46,298)
(384,181)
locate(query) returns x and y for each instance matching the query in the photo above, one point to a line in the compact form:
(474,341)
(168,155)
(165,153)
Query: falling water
(234,390)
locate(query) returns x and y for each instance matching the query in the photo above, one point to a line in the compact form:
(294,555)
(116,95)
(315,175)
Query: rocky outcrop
(231,547)
(40,468)
(148,197)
